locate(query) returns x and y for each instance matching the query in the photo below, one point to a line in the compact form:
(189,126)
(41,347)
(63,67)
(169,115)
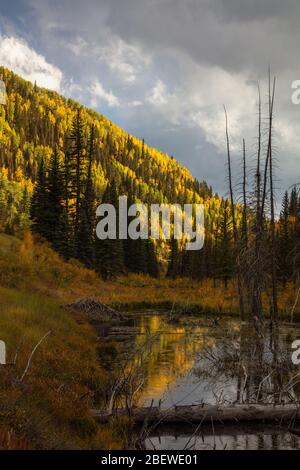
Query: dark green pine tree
(66,241)
(85,234)
(224,254)
(293,203)
(129,244)
(109,254)
(174,263)
(66,225)
(76,169)
(55,195)
(294,214)
(153,267)
(39,204)
(140,262)
(23,220)
(187,262)
(296,246)
(135,251)
(285,241)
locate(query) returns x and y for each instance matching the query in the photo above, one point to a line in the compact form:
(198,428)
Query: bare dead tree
(256,246)
(245,215)
(274,308)
(256,302)
(234,224)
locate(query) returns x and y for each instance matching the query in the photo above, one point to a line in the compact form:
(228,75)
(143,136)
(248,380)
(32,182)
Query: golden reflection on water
(172,353)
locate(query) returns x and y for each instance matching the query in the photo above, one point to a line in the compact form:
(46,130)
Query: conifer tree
(76,167)
(109,254)
(284,242)
(153,267)
(174,264)
(85,234)
(39,203)
(129,244)
(54,195)
(224,252)
(140,262)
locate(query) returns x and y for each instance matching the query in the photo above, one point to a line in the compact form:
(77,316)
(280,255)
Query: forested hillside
(33,116)
(39,132)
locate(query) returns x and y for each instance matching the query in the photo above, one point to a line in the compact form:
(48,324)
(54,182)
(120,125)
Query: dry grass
(50,408)
(34,267)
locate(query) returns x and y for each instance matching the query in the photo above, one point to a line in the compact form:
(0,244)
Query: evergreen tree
(85,234)
(140,262)
(135,251)
(109,254)
(153,267)
(66,226)
(174,264)
(54,195)
(39,204)
(284,242)
(76,166)
(223,244)
(129,244)
(293,203)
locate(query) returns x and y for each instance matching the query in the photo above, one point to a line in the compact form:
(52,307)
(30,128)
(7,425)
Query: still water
(201,360)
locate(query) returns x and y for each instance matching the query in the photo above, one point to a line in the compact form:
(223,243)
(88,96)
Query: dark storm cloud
(221,32)
(156,65)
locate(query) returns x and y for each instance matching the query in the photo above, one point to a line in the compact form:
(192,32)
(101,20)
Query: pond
(194,360)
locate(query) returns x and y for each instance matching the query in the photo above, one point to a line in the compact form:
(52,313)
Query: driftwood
(207,413)
(96,311)
(218,429)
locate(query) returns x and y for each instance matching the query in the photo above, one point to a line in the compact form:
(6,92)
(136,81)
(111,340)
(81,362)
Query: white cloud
(158,94)
(78,47)
(125,59)
(214,87)
(99,93)
(134,104)
(17,55)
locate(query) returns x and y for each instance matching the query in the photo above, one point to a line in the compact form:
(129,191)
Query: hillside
(38,128)
(49,406)
(27,133)
(69,374)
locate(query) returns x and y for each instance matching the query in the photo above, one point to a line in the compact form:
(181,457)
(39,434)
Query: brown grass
(50,408)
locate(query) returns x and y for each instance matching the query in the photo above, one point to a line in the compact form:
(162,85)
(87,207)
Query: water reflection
(168,366)
(198,361)
(222,438)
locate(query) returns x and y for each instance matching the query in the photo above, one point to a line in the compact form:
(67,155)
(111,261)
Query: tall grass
(50,407)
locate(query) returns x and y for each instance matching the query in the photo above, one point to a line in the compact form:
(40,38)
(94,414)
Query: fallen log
(232,429)
(206,413)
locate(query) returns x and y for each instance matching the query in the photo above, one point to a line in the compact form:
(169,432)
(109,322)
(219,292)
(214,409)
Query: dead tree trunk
(245,215)
(274,313)
(235,231)
(256,302)
(207,413)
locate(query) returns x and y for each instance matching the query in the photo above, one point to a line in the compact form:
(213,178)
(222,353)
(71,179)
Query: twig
(32,354)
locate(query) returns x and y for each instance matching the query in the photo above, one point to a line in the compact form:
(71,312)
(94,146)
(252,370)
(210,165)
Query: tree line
(63,208)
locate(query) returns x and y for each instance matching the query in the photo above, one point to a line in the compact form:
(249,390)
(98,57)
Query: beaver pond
(166,361)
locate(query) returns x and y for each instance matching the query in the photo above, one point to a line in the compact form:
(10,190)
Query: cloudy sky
(162,69)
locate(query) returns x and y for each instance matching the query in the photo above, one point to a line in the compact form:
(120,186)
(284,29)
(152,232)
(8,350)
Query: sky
(163,69)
